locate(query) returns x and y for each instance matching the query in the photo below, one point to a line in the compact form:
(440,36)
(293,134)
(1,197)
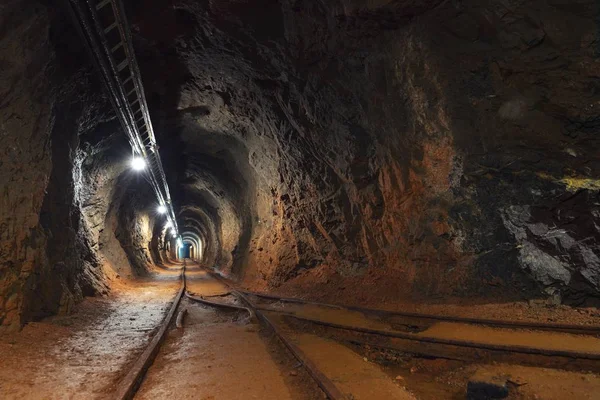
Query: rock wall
(64,199)
(118,205)
(26,115)
(137,217)
(387,150)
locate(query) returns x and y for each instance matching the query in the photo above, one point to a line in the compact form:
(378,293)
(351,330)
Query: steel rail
(129,384)
(328,387)
(104,28)
(433,339)
(467,344)
(566,328)
(435,349)
(217,304)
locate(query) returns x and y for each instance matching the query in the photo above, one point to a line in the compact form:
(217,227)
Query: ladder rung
(102,4)
(111,27)
(122,65)
(128,79)
(116,47)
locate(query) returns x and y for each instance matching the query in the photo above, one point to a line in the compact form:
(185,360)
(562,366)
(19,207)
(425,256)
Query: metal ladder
(104,27)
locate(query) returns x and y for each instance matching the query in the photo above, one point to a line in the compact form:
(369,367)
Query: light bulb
(161,209)
(138,163)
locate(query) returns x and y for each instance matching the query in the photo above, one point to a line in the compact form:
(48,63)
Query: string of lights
(104,27)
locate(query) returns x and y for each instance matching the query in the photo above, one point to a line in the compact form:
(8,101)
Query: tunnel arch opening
(195,243)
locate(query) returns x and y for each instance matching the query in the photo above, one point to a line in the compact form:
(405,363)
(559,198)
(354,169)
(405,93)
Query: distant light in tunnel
(138,163)
(174,234)
(162,209)
(169,225)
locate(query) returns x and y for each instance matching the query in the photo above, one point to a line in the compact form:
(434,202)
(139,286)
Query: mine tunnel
(283,199)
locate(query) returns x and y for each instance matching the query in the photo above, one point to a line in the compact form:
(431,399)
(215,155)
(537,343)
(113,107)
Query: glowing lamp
(138,163)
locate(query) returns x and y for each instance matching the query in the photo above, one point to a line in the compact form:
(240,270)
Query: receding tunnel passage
(282,199)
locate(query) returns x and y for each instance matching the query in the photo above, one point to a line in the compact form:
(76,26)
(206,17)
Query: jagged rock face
(66,225)
(386,149)
(22,186)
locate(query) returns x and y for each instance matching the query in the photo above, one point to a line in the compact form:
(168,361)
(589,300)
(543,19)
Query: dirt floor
(220,355)
(82,355)
(224,355)
(514,337)
(217,355)
(434,379)
(354,376)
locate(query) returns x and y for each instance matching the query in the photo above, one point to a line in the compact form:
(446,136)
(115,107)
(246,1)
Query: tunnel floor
(218,353)
(200,360)
(82,355)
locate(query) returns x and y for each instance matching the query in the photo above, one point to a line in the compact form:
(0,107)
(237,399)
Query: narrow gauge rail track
(461,343)
(385,339)
(443,347)
(465,350)
(318,376)
(431,347)
(385,314)
(129,384)
(436,349)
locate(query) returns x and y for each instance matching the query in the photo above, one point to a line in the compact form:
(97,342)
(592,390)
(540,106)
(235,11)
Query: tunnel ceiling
(354,149)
